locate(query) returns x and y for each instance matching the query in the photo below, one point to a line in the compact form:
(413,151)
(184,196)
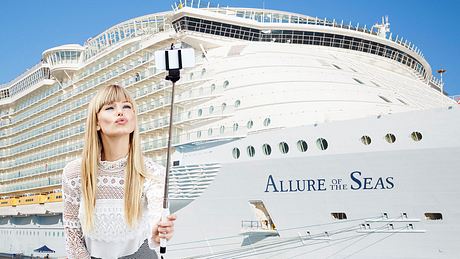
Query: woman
(113,195)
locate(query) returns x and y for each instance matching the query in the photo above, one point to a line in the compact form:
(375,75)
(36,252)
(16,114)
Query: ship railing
(456,98)
(29,78)
(254,225)
(260,227)
(140,26)
(436,83)
(270,16)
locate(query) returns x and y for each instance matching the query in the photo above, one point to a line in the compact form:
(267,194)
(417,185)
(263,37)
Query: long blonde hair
(135,170)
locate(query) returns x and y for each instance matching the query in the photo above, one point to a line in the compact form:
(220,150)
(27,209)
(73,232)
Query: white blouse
(110,237)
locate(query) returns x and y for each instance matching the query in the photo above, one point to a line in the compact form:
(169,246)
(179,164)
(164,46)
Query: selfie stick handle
(173,76)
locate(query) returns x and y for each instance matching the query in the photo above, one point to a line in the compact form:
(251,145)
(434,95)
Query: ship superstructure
(277,104)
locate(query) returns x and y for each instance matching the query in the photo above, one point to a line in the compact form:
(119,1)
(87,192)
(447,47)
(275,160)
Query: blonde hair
(135,171)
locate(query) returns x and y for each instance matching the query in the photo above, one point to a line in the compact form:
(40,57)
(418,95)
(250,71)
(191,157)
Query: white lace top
(110,237)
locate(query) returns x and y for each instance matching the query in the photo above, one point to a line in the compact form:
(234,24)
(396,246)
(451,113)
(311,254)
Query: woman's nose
(119,111)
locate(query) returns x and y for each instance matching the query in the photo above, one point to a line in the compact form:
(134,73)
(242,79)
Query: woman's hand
(164,229)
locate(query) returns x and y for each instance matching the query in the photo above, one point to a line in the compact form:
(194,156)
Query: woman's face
(116,119)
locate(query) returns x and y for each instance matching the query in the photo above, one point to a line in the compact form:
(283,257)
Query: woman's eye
(109,108)
(127,106)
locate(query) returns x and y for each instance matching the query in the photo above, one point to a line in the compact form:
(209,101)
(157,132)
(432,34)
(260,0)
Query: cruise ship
(294,136)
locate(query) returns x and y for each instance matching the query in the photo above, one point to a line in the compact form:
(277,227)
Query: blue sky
(30,27)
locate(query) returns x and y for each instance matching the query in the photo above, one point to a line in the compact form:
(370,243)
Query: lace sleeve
(154,191)
(74,241)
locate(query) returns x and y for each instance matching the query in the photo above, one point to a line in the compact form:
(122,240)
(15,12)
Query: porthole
(322,143)
(284,147)
(226,83)
(235,126)
(203,71)
(200,112)
(222,129)
(302,145)
(251,151)
(339,215)
(366,140)
(416,136)
(198,134)
(267,149)
(236,153)
(390,138)
(237,103)
(267,122)
(209,131)
(433,216)
(189,114)
(250,124)
(224,105)
(211,109)
(213,87)
(191,76)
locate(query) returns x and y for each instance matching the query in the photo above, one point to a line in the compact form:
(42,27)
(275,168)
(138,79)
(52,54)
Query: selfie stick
(173,76)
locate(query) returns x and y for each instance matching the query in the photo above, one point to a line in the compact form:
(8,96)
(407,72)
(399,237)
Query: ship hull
(384,189)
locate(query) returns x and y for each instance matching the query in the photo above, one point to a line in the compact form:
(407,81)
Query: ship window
(235,126)
(250,124)
(267,122)
(390,138)
(189,114)
(321,143)
(225,84)
(284,147)
(211,109)
(224,105)
(416,136)
(237,103)
(236,153)
(198,134)
(403,102)
(251,151)
(302,145)
(213,87)
(200,112)
(433,216)
(336,66)
(209,131)
(222,129)
(267,149)
(366,140)
(385,99)
(357,80)
(203,71)
(339,215)
(191,76)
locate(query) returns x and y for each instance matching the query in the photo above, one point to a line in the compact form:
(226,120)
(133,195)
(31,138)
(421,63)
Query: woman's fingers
(172,217)
(165,229)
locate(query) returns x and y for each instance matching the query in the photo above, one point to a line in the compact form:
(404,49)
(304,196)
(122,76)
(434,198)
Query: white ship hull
(423,176)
